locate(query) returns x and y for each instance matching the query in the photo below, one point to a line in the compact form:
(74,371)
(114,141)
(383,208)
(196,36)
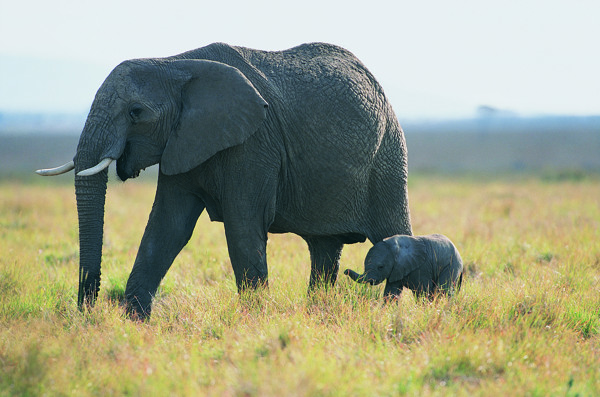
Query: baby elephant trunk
(359,278)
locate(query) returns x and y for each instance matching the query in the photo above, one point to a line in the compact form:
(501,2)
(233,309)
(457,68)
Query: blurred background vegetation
(492,143)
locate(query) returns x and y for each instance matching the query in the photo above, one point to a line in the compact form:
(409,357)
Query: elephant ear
(409,254)
(220,108)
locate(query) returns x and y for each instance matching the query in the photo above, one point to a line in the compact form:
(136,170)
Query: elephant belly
(420,281)
(327,207)
(345,238)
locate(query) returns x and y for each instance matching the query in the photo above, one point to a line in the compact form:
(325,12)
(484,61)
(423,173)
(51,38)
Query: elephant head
(177,113)
(392,259)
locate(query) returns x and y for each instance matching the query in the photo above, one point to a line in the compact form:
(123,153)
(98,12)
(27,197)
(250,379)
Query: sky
(434,59)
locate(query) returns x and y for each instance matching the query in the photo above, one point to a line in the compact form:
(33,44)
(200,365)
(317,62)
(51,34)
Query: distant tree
(487,111)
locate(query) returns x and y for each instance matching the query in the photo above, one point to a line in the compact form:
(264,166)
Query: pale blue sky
(433,58)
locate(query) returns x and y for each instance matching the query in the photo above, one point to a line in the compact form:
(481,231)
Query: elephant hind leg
(325,253)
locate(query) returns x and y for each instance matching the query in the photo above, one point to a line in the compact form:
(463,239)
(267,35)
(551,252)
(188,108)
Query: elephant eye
(135,112)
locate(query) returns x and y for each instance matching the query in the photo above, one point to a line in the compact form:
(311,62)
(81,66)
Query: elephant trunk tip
(359,278)
(89,286)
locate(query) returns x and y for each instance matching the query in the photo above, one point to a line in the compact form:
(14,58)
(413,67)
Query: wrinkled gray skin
(301,141)
(424,264)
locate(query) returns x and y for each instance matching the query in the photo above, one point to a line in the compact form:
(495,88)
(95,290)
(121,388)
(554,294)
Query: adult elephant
(302,141)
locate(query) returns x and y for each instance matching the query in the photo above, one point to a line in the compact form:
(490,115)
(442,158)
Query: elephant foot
(136,313)
(391,298)
(392,291)
(136,309)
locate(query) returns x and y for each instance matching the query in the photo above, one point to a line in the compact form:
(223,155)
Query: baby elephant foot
(392,291)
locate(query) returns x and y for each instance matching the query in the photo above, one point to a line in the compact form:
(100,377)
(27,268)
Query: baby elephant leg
(392,290)
(449,281)
(426,289)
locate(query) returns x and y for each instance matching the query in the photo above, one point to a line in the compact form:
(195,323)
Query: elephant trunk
(98,143)
(90,192)
(359,278)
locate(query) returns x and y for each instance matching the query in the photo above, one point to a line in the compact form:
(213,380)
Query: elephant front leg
(392,290)
(248,209)
(172,221)
(248,255)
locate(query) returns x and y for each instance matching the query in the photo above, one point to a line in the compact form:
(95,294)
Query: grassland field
(526,322)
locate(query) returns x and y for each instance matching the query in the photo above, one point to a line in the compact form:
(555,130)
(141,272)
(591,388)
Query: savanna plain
(526,321)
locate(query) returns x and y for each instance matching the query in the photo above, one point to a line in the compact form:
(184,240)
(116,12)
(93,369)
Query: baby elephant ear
(409,254)
(220,108)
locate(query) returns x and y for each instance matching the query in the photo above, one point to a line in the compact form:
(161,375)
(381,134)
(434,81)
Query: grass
(526,322)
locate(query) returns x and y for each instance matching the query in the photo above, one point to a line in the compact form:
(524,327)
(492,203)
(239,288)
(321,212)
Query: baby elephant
(424,264)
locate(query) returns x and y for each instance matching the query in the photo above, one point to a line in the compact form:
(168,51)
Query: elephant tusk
(97,168)
(56,171)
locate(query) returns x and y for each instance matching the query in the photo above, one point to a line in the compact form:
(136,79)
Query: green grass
(526,322)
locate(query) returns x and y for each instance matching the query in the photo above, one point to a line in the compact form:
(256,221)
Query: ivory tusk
(58,170)
(97,168)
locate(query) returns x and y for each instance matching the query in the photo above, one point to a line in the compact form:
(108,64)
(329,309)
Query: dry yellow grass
(526,322)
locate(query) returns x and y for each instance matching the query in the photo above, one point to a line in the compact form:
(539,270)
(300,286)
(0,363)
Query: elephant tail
(460,278)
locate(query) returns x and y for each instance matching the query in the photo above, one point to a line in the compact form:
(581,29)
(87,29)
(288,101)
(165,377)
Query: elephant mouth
(369,281)
(136,157)
(125,174)
(125,168)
